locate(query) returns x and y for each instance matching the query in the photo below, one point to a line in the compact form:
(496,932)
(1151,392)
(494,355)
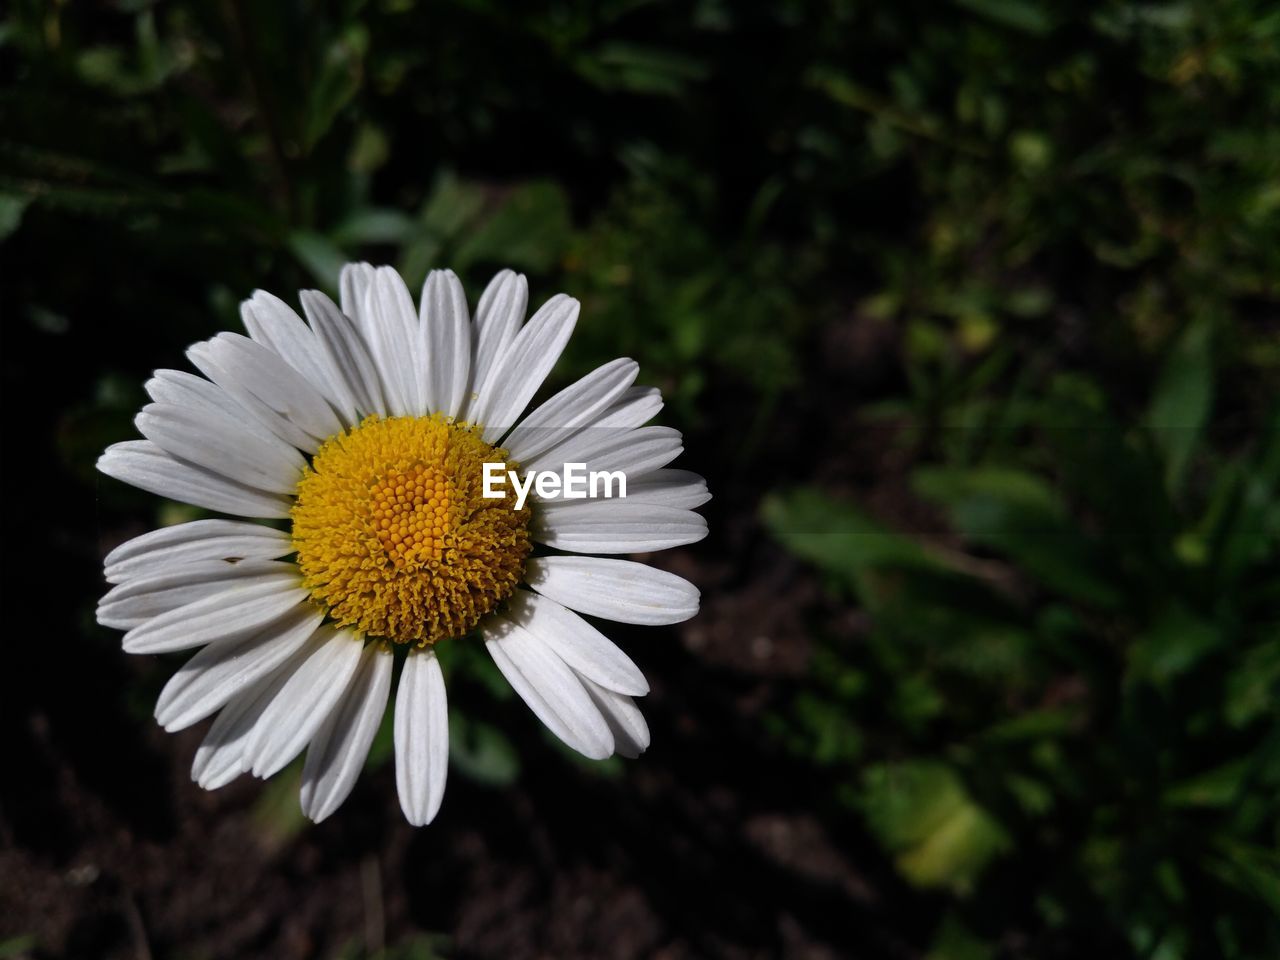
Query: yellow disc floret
(394,535)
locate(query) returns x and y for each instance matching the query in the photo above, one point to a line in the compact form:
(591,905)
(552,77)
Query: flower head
(362,434)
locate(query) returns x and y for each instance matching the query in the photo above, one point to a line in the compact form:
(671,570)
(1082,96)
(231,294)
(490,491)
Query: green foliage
(922,814)
(18,946)
(276,813)
(424,946)
(481,751)
(1078,688)
(733,317)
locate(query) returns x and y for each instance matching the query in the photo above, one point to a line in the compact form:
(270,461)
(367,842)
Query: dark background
(969,313)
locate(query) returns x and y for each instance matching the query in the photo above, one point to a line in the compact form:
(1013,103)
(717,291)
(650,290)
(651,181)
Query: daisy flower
(360,436)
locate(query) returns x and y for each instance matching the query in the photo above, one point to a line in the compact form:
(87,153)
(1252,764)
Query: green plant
(1072,720)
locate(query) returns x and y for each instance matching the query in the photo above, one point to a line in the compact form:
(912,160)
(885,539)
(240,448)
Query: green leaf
(1019,515)
(1026,16)
(824,732)
(482,752)
(1172,645)
(1248,530)
(1034,725)
(318,254)
(382,748)
(469,660)
(418,946)
(1114,472)
(1182,401)
(374,225)
(1252,870)
(12,207)
(1215,788)
(340,76)
(923,815)
(17,947)
(954,942)
(452,205)
(631,68)
(277,811)
(838,537)
(530,230)
(1253,686)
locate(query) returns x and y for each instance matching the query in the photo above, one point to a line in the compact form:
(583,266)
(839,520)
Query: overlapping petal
(341,744)
(228,541)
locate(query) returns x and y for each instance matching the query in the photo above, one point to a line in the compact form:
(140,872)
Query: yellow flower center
(394,535)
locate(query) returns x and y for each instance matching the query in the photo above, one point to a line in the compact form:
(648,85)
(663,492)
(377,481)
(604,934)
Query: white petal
(615,526)
(220,757)
(144,465)
(392,325)
(222,670)
(275,392)
(669,488)
(584,648)
(225,540)
(187,390)
(498,317)
(341,745)
(353,285)
(210,439)
(131,604)
(348,355)
(626,722)
(637,406)
(421,737)
(631,452)
(552,691)
(573,407)
(519,372)
(178,386)
(210,359)
(276,384)
(445,342)
(234,612)
(621,590)
(274,324)
(303,704)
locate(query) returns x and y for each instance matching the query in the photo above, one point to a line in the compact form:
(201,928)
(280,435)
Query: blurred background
(969,313)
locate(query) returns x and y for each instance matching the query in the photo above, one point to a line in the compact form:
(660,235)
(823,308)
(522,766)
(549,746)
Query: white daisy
(365,428)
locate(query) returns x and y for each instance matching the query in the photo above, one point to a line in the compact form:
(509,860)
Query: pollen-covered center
(394,535)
